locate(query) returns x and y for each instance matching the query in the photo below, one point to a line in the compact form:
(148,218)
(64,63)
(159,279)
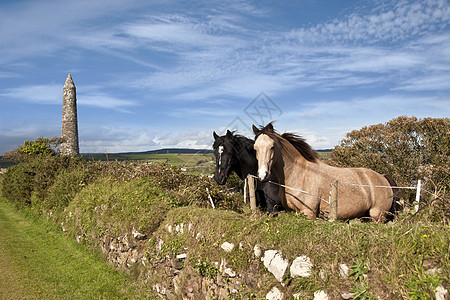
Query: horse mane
(245,142)
(239,141)
(302,146)
(294,139)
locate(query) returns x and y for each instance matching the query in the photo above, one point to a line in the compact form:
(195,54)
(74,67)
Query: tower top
(69,82)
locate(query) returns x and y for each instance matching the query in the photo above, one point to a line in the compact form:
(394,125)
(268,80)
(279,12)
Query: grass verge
(37,262)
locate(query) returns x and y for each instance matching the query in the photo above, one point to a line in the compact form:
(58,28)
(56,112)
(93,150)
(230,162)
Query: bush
(41,147)
(18,184)
(117,206)
(29,182)
(406,148)
(68,183)
(186,189)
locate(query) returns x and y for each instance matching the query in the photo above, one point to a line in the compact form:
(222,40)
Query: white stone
(229,272)
(433,271)
(441,293)
(159,243)
(275,263)
(137,235)
(274,294)
(323,274)
(296,295)
(79,238)
(347,296)
(223,264)
(343,271)
(301,267)
(62,227)
(181,256)
(257,251)
(227,247)
(169,228)
(179,228)
(320,295)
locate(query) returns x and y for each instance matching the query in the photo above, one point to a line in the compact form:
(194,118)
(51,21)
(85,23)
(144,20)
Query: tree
(407,148)
(40,147)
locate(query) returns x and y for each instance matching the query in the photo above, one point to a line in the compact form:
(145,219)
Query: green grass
(37,262)
(391,255)
(386,260)
(176,159)
(200,163)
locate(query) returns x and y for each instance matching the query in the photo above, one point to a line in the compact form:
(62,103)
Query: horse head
(265,141)
(223,152)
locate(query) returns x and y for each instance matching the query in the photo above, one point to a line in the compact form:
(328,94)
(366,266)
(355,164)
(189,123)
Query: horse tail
(395,206)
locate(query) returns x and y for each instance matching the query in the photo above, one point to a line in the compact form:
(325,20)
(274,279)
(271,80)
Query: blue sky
(156,74)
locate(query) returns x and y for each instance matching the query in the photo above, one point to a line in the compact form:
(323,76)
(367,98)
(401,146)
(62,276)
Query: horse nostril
(262,176)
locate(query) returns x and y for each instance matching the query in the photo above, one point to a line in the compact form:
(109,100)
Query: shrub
(18,184)
(117,206)
(407,148)
(29,182)
(41,147)
(68,183)
(187,189)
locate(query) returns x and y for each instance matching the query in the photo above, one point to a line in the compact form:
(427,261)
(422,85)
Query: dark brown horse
(307,179)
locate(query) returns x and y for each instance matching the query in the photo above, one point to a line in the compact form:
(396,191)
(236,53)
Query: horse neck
(247,163)
(290,160)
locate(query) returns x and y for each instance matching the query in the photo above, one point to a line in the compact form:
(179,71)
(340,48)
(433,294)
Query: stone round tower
(69,124)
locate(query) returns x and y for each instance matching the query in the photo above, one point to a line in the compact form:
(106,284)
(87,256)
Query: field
(194,163)
(107,205)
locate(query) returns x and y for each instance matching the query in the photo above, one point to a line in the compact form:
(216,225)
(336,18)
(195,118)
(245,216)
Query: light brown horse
(297,166)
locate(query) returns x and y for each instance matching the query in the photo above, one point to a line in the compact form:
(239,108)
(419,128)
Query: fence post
(332,216)
(419,186)
(251,191)
(245,189)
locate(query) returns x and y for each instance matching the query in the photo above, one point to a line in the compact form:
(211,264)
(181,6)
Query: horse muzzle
(263,174)
(220,178)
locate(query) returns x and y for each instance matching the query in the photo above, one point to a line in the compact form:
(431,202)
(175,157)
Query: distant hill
(173,150)
(164,151)
(179,150)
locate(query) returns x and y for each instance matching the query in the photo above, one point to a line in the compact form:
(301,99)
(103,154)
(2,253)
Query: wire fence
(333,199)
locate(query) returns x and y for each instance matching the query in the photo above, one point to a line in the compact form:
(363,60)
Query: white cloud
(52,94)
(437,82)
(386,24)
(105,101)
(227,51)
(127,139)
(43,94)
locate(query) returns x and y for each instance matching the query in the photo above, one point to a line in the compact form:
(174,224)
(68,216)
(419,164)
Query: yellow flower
(425,235)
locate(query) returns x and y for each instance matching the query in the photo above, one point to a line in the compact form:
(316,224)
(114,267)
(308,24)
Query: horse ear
(269,127)
(229,134)
(215,135)
(255,129)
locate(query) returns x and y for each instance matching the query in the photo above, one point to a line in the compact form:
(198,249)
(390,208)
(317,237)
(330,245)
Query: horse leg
(377,214)
(309,213)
